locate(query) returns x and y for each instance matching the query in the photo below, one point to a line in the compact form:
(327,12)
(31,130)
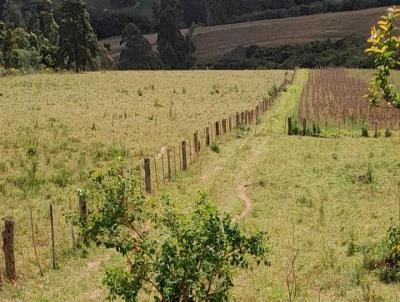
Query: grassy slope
(214,42)
(73,127)
(302,188)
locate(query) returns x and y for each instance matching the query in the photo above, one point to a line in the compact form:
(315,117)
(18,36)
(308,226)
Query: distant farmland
(213,42)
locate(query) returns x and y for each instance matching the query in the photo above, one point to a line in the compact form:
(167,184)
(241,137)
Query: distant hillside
(214,42)
(143,7)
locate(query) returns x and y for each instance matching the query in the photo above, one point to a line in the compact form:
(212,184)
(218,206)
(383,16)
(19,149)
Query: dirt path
(242,193)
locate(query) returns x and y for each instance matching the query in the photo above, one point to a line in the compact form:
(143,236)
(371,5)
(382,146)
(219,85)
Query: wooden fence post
(169,170)
(162,166)
(208,138)
(1,279)
(230,124)
(175,159)
(53,243)
(242,118)
(237,119)
(8,248)
(224,128)
(83,211)
(290,126)
(147,175)
(217,133)
(184,156)
(196,143)
(156,172)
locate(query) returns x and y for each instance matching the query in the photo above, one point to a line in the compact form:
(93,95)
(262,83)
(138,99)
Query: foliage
(384,48)
(17,49)
(385,258)
(107,23)
(137,52)
(78,42)
(347,52)
(214,12)
(182,256)
(176,51)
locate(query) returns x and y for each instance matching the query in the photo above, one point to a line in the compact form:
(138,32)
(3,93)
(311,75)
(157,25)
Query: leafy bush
(364,132)
(385,258)
(180,256)
(215,147)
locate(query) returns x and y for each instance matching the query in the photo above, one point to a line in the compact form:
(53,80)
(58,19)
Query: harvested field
(335,98)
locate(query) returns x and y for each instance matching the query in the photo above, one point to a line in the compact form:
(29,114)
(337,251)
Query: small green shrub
(61,178)
(177,255)
(388,133)
(384,258)
(367,178)
(215,147)
(364,132)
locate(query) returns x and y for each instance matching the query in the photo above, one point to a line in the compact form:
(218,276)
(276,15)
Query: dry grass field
(213,42)
(55,127)
(307,193)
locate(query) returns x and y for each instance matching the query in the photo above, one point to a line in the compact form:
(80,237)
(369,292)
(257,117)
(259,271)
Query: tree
(176,256)
(176,51)
(137,52)
(78,42)
(385,45)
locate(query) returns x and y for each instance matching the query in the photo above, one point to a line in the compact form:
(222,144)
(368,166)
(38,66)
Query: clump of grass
(351,245)
(61,178)
(384,258)
(364,132)
(368,177)
(388,133)
(140,92)
(215,147)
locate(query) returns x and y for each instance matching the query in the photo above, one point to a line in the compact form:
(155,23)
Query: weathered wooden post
(196,143)
(224,128)
(184,156)
(83,212)
(237,119)
(169,170)
(217,132)
(304,126)
(1,279)
(290,132)
(162,167)
(242,118)
(147,175)
(208,137)
(8,248)
(230,124)
(53,243)
(156,172)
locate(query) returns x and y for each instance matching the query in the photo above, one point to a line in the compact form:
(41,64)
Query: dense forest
(347,52)
(216,12)
(41,34)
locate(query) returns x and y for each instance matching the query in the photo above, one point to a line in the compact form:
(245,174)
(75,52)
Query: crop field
(325,202)
(335,98)
(213,42)
(54,128)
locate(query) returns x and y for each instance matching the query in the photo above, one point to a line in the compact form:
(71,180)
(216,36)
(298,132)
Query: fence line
(167,155)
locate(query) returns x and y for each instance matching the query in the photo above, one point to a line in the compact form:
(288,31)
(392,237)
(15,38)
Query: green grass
(307,193)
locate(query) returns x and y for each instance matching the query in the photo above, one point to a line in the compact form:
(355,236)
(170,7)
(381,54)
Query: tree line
(346,52)
(38,35)
(216,12)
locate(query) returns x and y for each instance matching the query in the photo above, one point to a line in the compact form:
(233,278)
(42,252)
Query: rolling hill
(213,42)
